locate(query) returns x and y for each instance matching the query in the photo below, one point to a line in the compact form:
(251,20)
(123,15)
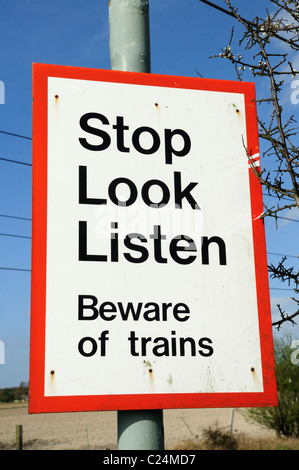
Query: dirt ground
(98,430)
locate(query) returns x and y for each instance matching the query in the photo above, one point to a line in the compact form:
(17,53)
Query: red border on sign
(38,403)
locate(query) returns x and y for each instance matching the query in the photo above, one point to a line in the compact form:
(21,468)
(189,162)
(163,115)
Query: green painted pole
(129,35)
(140,430)
(130,52)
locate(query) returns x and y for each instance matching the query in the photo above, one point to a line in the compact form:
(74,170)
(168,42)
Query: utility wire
(23,269)
(30,164)
(229,13)
(280,288)
(16,135)
(278,216)
(25,236)
(281,254)
(13,269)
(15,217)
(13,235)
(15,161)
(272,195)
(223,10)
(285,218)
(29,270)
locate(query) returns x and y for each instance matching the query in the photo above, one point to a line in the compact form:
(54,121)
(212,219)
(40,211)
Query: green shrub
(284,418)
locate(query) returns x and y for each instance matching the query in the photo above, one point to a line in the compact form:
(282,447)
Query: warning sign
(149,270)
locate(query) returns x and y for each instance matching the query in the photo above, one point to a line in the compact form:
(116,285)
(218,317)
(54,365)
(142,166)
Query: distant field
(98,430)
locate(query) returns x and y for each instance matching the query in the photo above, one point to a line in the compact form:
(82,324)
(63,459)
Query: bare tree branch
(264,61)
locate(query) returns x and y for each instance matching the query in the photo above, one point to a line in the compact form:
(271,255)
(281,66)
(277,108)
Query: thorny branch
(260,40)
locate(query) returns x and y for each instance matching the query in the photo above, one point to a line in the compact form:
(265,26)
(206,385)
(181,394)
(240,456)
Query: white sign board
(149,283)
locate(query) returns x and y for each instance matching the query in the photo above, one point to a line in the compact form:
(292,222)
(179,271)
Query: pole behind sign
(130,51)
(129,35)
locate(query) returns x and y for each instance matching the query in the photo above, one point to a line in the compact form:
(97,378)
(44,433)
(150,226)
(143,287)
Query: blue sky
(184,34)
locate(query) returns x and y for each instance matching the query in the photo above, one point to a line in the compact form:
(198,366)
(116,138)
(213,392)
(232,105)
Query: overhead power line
(16,135)
(13,269)
(4,268)
(230,13)
(281,254)
(217,7)
(13,235)
(26,236)
(273,195)
(280,288)
(15,217)
(285,218)
(30,164)
(15,161)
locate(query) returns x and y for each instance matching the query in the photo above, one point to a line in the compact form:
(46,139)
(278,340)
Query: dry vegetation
(219,439)
(98,431)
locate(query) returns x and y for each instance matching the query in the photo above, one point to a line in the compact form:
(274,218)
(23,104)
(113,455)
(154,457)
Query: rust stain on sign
(52,378)
(150,371)
(151,377)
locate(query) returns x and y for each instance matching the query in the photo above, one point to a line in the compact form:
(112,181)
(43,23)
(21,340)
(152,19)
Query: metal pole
(130,52)
(129,35)
(140,430)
